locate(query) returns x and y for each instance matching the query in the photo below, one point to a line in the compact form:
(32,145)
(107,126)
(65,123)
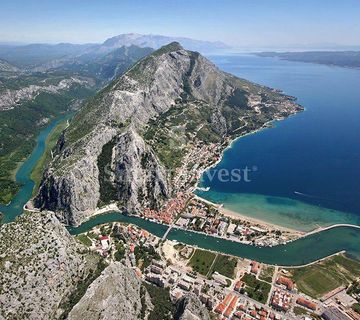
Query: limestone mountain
(157,41)
(96,64)
(44,85)
(133,141)
(116,294)
(41,266)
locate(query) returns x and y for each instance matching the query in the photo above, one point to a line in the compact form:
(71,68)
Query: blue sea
(305,171)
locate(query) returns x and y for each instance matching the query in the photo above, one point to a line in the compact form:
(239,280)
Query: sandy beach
(239,216)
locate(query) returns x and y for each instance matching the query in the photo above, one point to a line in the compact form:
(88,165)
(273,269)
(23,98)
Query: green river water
(298,252)
(15,208)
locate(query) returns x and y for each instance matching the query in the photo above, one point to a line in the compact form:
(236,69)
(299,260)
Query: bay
(307,166)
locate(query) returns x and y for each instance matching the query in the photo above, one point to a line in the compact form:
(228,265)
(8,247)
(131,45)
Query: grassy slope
(84,239)
(37,173)
(320,278)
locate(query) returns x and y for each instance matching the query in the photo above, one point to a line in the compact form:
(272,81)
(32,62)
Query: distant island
(349,59)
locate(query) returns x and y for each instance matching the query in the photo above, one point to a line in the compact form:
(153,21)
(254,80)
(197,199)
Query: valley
(42,87)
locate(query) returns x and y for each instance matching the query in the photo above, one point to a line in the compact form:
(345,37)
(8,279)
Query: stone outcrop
(40,266)
(190,308)
(115,294)
(9,98)
(7,67)
(141,178)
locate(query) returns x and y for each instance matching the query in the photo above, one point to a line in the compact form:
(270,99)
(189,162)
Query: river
(302,251)
(12,210)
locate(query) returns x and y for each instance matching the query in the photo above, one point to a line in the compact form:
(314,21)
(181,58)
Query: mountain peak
(157,41)
(146,124)
(172,46)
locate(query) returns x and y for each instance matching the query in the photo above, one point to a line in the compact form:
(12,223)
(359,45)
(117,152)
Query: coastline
(239,216)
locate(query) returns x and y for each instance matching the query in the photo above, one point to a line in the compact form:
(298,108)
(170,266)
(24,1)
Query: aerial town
(189,212)
(230,287)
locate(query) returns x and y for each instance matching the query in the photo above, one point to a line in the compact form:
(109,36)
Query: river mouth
(305,250)
(299,252)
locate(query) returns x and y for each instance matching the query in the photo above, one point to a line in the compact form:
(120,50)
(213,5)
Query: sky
(240,23)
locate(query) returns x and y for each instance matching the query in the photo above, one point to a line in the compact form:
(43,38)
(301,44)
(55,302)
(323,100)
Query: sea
(304,171)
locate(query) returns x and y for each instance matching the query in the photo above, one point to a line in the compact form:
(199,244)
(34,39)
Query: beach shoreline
(239,216)
(234,214)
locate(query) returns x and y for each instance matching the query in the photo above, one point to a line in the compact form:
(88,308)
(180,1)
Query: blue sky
(243,23)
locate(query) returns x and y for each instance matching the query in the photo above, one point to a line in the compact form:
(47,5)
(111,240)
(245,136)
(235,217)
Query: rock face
(116,294)
(190,308)
(9,98)
(106,155)
(40,265)
(141,178)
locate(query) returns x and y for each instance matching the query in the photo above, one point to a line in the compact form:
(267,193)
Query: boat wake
(317,197)
(309,195)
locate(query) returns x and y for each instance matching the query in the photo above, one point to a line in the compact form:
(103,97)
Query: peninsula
(145,139)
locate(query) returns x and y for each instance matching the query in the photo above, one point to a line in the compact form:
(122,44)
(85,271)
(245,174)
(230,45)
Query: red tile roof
(227,299)
(238,285)
(228,311)
(286,282)
(220,308)
(132,247)
(306,303)
(234,302)
(238,314)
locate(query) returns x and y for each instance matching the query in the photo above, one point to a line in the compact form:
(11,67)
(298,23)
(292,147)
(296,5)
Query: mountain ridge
(157,41)
(36,55)
(107,153)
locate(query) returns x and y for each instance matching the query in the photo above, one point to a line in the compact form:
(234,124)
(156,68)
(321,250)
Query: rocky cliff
(9,98)
(41,265)
(122,144)
(115,294)
(190,308)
